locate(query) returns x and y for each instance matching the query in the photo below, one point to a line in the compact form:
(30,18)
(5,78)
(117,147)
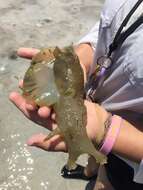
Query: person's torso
(122,89)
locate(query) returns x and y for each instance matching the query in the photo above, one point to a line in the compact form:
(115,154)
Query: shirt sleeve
(91,37)
(138,173)
(138,169)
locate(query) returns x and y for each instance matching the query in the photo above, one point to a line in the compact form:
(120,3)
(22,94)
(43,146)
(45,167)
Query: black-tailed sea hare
(55,78)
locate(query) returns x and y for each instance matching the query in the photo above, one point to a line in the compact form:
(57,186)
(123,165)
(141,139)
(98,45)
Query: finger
(53,116)
(44,111)
(20,84)
(21,104)
(53,144)
(27,52)
(29,106)
(19,101)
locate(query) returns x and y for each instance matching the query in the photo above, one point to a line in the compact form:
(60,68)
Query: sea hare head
(39,83)
(68,72)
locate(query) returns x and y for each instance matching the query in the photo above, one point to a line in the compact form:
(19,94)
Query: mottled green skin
(36,85)
(69,106)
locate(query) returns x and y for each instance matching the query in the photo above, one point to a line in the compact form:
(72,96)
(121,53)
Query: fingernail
(12,95)
(30,142)
(30,107)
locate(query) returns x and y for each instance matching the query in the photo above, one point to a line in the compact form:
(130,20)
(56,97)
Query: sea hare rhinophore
(55,78)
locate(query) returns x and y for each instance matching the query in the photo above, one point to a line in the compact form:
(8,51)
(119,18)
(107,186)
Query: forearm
(85,54)
(129,142)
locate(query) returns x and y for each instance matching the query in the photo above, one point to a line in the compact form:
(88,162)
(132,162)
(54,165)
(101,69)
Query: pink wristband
(111,135)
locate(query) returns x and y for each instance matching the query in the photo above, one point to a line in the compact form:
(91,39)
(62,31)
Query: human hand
(43,116)
(46,117)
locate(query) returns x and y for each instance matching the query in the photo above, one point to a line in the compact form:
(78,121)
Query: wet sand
(33,23)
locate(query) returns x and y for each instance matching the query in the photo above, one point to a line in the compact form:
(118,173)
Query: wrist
(102,118)
(110,134)
(102,130)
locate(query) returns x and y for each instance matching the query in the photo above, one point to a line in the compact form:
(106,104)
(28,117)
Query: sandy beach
(33,23)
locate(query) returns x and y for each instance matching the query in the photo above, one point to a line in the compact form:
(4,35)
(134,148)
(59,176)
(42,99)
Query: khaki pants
(102,182)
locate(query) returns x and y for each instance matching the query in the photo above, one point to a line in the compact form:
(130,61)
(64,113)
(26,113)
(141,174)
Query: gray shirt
(122,91)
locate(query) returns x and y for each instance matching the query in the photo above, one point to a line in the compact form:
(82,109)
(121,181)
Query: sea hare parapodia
(55,78)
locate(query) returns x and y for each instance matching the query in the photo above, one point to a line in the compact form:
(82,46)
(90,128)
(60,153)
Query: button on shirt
(122,91)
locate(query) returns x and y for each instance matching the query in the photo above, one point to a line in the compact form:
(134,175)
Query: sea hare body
(55,78)
(38,84)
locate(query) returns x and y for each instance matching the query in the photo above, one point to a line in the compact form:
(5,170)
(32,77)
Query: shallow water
(34,24)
